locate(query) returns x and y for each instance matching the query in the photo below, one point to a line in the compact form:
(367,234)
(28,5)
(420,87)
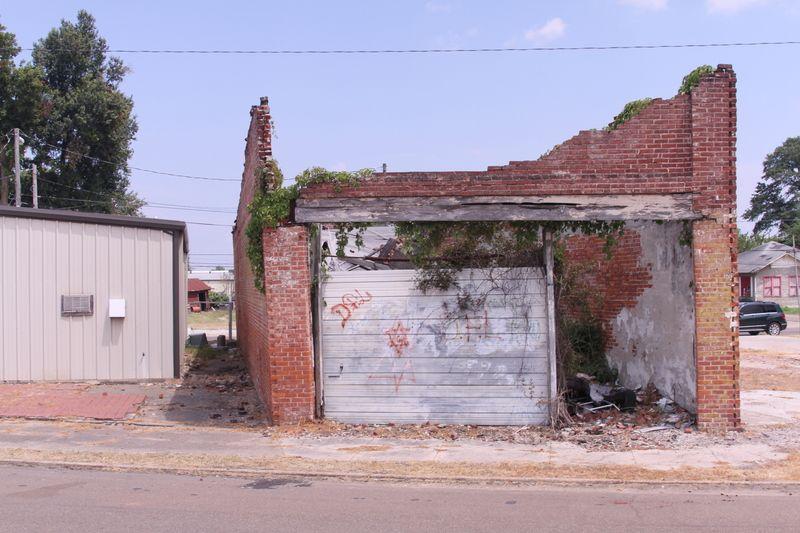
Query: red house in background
(198,295)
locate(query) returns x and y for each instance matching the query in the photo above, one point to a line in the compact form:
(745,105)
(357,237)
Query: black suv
(755,317)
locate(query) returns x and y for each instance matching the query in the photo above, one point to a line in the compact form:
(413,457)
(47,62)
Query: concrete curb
(358,476)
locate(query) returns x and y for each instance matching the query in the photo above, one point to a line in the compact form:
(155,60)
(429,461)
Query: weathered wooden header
(480,208)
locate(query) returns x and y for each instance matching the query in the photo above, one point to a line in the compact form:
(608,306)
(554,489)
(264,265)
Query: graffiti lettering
(398,338)
(350,302)
(474,328)
(401,373)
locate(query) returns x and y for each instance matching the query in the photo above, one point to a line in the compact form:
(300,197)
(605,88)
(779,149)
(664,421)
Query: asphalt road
(39,499)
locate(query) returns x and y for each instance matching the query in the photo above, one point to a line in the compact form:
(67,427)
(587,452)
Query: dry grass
(787,470)
(365,448)
(209,319)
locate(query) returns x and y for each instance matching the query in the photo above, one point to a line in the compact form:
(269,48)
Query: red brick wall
(251,309)
(613,281)
(287,282)
(714,244)
(649,154)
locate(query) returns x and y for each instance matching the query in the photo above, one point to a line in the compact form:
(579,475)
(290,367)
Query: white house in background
(770,273)
(220,281)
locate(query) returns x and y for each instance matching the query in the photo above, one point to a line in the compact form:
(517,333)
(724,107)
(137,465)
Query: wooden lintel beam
(494,208)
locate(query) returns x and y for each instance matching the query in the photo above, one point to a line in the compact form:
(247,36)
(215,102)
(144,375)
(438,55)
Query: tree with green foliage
(82,126)
(775,205)
(21,92)
(748,241)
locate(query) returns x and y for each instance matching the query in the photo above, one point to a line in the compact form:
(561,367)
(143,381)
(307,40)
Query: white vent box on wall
(116,308)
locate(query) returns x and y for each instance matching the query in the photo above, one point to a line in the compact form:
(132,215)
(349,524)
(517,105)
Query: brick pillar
(287,283)
(714,248)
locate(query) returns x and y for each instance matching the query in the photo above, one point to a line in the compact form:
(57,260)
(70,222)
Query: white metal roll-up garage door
(391,353)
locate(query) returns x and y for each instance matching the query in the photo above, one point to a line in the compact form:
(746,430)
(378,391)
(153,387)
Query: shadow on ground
(215,390)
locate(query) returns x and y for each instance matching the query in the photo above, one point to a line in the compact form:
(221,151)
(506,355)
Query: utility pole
(17,182)
(35,186)
(17,179)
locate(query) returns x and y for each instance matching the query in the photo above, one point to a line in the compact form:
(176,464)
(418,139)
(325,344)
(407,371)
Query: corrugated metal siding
(45,259)
(393,354)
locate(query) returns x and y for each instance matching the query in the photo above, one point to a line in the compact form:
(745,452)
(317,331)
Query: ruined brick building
(670,295)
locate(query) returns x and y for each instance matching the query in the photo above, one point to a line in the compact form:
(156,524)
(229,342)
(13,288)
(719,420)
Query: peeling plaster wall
(654,339)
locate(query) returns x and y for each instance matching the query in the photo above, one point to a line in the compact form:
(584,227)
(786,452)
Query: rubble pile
(634,420)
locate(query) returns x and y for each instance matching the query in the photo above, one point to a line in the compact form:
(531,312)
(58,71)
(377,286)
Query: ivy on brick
(692,80)
(440,250)
(630,110)
(273,201)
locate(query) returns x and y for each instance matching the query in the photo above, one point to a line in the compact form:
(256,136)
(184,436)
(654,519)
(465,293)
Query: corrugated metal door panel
(129,330)
(153,289)
(62,287)
(36,268)
(393,354)
(50,303)
(103,336)
(116,259)
(140,290)
(167,311)
(22,286)
(75,286)
(9,298)
(89,286)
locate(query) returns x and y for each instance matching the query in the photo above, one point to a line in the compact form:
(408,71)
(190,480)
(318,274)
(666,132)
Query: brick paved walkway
(65,400)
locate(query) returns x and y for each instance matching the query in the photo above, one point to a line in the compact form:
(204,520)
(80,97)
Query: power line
(140,169)
(588,48)
(106,201)
(208,224)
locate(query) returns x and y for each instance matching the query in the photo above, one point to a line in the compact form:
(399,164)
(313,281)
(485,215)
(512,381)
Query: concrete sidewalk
(219,450)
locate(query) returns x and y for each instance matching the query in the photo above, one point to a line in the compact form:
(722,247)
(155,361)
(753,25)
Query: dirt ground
(770,363)
(215,390)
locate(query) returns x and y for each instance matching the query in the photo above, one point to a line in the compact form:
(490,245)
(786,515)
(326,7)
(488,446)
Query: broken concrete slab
(767,407)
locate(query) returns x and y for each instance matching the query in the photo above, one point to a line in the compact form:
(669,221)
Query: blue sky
(414,112)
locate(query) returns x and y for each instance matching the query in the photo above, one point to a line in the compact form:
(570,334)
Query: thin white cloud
(649,5)
(731,6)
(438,7)
(550,30)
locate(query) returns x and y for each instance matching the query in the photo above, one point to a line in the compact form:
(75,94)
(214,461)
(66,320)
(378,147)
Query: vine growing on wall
(273,201)
(630,110)
(634,107)
(440,250)
(692,80)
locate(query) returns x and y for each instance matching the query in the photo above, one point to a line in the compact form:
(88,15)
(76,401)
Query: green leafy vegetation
(635,107)
(585,349)
(580,342)
(273,202)
(692,80)
(68,102)
(630,110)
(775,205)
(748,241)
(440,250)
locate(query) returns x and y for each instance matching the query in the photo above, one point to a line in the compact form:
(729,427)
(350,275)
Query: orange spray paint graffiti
(350,302)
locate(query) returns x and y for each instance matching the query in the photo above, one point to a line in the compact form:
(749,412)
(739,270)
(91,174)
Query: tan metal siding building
(127,277)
